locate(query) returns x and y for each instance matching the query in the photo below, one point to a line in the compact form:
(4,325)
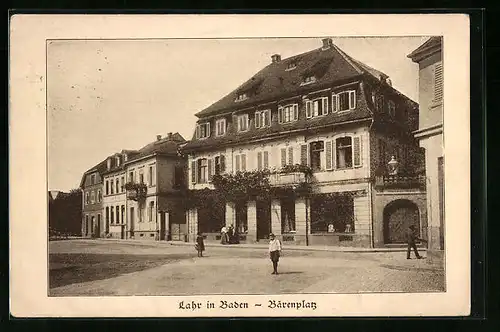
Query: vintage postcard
(239,165)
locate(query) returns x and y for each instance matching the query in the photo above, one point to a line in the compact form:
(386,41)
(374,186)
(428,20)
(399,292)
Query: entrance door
(162,226)
(98,231)
(92,224)
(398,216)
(132,221)
(177,227)
(263,219)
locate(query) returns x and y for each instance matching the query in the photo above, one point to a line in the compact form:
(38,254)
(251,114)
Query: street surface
(106,268)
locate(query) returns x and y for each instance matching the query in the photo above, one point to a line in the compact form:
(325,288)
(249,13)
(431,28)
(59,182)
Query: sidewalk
(260,246)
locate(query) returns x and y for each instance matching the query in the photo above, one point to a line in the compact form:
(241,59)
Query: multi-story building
(430,134)
(319,118)
(91,185)
(155,177)
(141,191)
(115,198)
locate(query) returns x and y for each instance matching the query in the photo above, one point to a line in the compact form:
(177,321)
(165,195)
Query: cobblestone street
(101,267)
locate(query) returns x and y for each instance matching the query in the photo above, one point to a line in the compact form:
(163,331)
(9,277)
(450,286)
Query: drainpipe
(307,221)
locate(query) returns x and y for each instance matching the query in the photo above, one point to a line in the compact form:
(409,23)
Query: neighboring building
(331,114)
(115,198)
(158,168)
(91,186)
(430,134)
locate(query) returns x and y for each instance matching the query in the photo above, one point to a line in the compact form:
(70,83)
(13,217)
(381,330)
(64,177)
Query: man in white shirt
(274,251)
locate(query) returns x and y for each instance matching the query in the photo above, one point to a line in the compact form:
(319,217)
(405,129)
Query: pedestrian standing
(411,237)
(200,246)
(274,251)
(223,237)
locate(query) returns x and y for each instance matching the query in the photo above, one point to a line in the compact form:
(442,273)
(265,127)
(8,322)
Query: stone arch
(399,214)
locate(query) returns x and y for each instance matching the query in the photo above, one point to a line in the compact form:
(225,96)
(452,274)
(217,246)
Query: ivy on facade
(246,186)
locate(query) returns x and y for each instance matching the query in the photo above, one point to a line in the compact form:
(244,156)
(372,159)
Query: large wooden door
(177,227)
(398,216)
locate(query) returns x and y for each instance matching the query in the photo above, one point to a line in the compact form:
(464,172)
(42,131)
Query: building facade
(319,120)
(91,186)
(430,135)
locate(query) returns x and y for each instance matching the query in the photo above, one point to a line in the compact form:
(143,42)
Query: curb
(259,247)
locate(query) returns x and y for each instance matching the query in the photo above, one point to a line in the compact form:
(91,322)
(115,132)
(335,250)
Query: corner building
(330,114)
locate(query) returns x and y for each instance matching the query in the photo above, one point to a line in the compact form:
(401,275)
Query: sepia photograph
(206,165)
(230,173)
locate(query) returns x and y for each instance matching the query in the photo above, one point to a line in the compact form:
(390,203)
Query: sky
(104,96)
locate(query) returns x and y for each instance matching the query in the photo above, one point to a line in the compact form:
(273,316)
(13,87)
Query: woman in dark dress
(200,246)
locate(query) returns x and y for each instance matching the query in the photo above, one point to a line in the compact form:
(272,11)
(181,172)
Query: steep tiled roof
(100,168)
(165,146)
(275,81)
(431,43)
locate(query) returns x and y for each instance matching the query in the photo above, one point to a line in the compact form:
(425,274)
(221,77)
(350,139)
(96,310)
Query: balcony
(284,179)
(400,182)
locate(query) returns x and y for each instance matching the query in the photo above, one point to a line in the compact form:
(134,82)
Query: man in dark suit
(411,237)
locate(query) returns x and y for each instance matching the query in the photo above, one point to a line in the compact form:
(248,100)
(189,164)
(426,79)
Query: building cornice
(429,131)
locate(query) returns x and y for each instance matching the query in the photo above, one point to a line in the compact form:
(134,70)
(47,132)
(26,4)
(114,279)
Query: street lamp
(393,166)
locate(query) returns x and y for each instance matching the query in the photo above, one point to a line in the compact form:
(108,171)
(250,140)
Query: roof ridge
(347,58)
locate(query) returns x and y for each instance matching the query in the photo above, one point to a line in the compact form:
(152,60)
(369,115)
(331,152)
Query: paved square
(101,267)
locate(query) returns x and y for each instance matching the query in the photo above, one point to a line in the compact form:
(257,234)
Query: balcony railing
(400,182)
(281,179)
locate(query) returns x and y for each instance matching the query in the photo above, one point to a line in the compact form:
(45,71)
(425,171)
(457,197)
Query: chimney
(275,58)
(327,43)
(158,137)
(169,136)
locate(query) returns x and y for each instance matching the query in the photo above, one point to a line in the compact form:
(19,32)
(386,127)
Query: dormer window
(291,66)
(308,80)
(203,130)
(262,119)
(242,122)
(220,127)
(242,96)
(344,101)
(317,107)
(288,113)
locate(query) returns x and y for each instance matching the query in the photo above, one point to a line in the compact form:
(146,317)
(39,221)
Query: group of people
(229,235)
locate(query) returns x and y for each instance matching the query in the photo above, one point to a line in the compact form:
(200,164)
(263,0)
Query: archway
(398,216)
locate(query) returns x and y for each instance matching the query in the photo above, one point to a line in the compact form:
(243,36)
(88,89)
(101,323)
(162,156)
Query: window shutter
(280,114)
(283,157)
(303,154)
(334,155)
(193,171)
(290,155)
(266,159)
(257,119)
(222,163)
(438,82)
(267,118)
(295,112)
(328,154)
(197,131)
(334,103)
(352,100)
(325,105)
(308,109)
(357,151)
(209,169)
(237,163)
(243,162)
(259,160)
